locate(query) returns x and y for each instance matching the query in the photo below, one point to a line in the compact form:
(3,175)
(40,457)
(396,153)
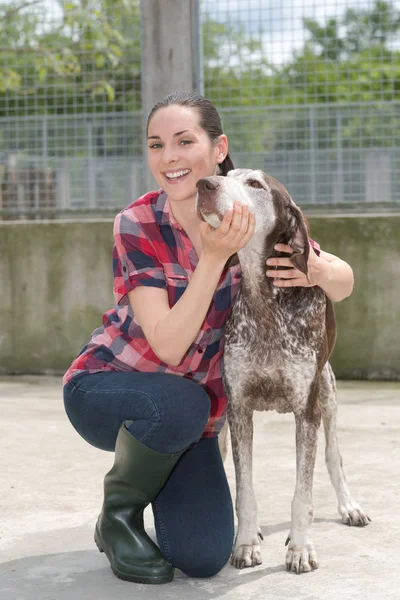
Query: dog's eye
(255,184)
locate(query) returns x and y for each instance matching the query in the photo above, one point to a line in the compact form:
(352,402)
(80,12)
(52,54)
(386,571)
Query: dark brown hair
(210,120)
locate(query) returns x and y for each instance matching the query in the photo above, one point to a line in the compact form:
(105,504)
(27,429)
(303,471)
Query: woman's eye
(255,184)
(157,145)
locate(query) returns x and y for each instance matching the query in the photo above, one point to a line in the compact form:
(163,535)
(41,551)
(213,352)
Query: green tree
(357,31)
(346,60)
(88,60)
(88,57)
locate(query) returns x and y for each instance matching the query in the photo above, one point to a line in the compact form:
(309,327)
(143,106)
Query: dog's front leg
(301,556)
(246,552)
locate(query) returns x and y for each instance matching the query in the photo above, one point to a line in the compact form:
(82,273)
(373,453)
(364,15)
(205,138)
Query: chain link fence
(308,91)
(70,107)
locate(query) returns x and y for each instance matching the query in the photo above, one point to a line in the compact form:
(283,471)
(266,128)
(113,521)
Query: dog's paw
(352,514)
(301,559)
(246,555)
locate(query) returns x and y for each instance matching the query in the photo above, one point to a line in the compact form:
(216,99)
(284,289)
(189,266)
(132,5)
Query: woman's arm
(171,331)
(329,272)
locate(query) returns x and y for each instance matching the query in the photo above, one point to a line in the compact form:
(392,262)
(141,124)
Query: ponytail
(225,166)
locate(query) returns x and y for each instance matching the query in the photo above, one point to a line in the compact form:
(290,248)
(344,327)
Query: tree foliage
(87,56)
(346,60)
(357,31)
(87,59)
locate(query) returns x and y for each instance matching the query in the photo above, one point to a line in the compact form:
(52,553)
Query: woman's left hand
(293,277)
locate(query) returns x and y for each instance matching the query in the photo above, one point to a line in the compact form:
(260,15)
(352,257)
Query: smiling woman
(149,382)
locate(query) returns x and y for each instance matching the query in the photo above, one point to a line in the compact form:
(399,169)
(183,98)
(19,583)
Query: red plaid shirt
(151,248)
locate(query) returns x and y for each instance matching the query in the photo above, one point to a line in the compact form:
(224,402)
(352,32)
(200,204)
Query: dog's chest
(272,360)
(280,328)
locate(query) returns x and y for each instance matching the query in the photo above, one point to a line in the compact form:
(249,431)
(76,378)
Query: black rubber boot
(134,481)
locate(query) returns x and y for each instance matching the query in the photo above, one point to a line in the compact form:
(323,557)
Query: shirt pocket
(177,282)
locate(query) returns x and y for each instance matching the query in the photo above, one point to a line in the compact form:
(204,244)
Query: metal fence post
(339,158)
(169,54)
(91,169)
(45,143)
(312,156)
(197,49)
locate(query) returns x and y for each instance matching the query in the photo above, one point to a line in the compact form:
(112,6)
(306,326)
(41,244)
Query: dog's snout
(207,185)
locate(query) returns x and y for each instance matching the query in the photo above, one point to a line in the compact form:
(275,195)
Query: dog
(277,345)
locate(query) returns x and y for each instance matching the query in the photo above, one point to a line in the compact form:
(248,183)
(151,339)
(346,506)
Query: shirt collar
(163,211)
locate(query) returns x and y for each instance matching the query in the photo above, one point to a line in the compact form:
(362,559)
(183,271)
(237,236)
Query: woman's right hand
(235,230)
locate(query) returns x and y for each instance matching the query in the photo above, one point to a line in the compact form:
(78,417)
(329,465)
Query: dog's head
(278,219)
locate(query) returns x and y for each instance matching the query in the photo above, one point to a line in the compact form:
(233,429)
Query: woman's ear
(222,148)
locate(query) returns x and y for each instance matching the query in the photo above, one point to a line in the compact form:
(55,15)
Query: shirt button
(189,374)
(208,330)
(200,350)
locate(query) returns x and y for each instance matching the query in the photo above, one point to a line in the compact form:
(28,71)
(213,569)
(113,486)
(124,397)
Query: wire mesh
(308,91)
(70,106)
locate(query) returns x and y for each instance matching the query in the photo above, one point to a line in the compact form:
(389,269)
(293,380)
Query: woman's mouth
(176,176)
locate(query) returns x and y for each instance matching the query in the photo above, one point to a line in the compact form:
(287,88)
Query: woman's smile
(175,177)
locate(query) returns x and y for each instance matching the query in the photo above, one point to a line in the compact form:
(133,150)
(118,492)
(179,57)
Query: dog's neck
(256,284)
(252,258)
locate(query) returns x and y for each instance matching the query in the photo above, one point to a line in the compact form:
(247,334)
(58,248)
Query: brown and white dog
(278,342)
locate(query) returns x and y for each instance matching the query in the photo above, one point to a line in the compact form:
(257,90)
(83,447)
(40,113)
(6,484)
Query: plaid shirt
(151,248)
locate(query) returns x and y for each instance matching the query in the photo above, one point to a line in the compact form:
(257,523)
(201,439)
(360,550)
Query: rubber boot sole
(126,576)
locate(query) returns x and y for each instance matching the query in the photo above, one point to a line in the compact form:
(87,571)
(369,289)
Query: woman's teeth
(178,174)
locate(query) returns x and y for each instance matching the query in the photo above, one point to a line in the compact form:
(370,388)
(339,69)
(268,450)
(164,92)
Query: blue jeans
(193,512)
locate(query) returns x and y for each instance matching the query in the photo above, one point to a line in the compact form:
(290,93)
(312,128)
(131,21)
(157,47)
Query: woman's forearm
(335,278)
(180,327)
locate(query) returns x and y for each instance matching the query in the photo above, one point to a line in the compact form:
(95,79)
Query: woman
(148,384)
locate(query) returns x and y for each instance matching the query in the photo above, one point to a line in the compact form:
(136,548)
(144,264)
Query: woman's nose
(170,154)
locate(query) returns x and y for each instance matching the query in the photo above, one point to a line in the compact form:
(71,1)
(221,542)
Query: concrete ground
(51,494)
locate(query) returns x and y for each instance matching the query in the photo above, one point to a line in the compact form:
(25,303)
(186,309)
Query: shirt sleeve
(135,261)
(316,247)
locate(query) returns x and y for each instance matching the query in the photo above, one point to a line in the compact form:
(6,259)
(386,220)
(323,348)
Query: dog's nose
(207,185)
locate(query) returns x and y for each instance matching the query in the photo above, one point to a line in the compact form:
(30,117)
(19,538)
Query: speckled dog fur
(278,342)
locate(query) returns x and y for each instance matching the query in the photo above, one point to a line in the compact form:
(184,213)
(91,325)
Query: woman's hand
(293,277)
(235,230)
(333,275)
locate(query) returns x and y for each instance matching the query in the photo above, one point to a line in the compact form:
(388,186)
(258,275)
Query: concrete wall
(56,281)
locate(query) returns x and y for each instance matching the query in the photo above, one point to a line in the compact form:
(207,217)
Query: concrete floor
(51,494)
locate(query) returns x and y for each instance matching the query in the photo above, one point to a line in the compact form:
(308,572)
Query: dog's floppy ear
(298,238)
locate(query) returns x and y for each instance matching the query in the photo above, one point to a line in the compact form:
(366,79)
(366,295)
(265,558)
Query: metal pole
(170,55)
(312,156)
(91,168)
(339,149)
(197,49)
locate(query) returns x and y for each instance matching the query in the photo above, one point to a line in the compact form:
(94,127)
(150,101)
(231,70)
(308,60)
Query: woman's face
(180,151)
